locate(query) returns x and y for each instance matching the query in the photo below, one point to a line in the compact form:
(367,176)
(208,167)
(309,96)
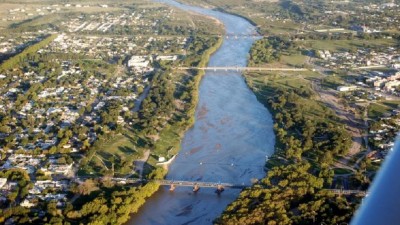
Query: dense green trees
(288,195)
(158,106)
(298,133)
(269,49)
(111,207)
(13,61)
(23,180)
(293,191)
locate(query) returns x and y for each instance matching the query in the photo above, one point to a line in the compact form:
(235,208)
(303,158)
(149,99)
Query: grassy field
(293,60)
(332,82)
(265,85)
(379,109)
(34,13)
(343,45)
(276,27)
(121,150)
(339,171)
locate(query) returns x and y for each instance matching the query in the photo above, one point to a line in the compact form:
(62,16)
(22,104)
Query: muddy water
(229,141)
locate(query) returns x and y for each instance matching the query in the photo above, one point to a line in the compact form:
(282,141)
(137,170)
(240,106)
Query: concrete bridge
(347,192)
(239,68)
(200,184)
(221,186)
(241,36)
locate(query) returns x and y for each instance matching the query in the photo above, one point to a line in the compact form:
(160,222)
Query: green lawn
(169,143)
(391,104)
(122,149)
(378,109)
(338,45)
(332,82)
(293,60)
(265,85)
(342,171)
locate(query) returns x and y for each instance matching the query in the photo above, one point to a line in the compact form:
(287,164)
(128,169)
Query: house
(138,62)
(346,88)
(60,169)
(28,203)
(391,84)
(167,58)
(3,182)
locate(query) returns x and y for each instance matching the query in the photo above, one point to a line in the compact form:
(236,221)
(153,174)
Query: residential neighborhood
(295,103)
(88,81)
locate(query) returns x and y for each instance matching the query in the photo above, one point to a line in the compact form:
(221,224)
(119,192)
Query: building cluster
(139,21)
(361,58)
(57,108)
(13,45)
(342,17)
(373,85)
(25,12)
(387,82)
(43,187)
(365,18)
(382,136)
(58,116)
(115,47)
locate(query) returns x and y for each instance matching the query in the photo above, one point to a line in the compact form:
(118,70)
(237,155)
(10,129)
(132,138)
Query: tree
(87,187)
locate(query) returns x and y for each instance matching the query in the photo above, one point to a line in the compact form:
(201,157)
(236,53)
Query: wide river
(229,141)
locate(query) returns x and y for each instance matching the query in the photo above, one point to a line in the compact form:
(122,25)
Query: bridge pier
(196,188)
(220,189)
(172,187)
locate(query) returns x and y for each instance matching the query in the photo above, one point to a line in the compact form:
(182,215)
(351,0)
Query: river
(229,141)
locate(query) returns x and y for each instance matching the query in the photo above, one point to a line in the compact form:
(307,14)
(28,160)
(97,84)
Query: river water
(229,141)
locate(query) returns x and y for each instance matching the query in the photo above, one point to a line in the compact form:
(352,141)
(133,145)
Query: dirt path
(353,124)
(139,163)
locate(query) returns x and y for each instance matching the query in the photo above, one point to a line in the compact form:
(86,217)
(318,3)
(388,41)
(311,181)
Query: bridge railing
(347,192)
(241,68)
(200,184)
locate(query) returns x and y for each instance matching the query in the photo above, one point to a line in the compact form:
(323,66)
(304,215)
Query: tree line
(15,60)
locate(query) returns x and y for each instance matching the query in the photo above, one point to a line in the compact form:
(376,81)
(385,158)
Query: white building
(26,203)
(3,182)
(346,88)
(138,62)
(167,57)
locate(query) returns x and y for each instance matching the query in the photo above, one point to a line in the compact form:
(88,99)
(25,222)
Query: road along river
(228,143)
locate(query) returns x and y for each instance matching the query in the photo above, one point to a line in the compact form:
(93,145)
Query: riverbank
(170,137)
(309,136)
(236,14)
(230,137)
(191,115)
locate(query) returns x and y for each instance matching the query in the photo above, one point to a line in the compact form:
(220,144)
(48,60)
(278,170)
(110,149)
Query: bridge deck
(239,68)
(201,184)
(347,192)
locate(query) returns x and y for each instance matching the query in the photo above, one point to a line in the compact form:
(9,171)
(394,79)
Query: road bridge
(201,184)
(347,192)
(219,186)
(240,68)
(241,36)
